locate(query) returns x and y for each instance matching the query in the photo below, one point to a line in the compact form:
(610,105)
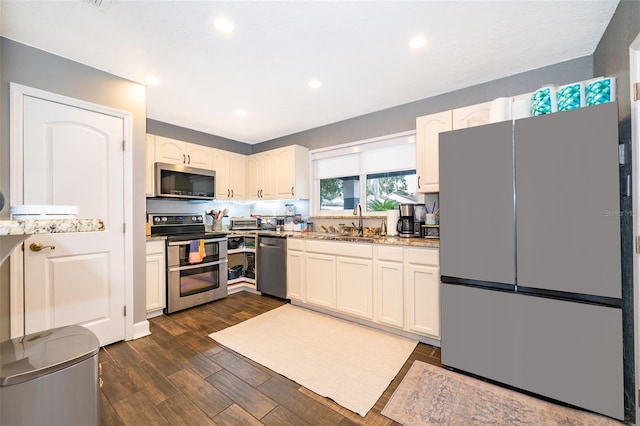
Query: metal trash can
(50,378)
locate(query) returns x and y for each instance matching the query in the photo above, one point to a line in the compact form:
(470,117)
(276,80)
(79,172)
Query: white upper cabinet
(261,177)
(291,172)
(428,129)
(231,169)
(238,173)
(279,173)
(150,154)
(471,116)
(276,174)
(173,151)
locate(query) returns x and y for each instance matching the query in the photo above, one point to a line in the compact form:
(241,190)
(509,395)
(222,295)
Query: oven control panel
(176,219)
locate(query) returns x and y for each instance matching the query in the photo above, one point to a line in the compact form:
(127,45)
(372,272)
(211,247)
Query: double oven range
(191,280)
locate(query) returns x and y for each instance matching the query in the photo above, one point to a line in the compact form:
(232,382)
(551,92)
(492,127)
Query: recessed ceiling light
(224,25)
(418,42)
(152,79)
(241,113)
(315,84)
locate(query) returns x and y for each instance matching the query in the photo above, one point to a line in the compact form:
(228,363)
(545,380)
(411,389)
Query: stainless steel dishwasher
(272,266)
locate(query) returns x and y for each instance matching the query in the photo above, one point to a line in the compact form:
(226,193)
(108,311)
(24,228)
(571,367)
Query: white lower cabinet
(394,286)
(389,281)
(156,270)
(320,280)
(295,273)
(423,300)
(355,286)
(422,291)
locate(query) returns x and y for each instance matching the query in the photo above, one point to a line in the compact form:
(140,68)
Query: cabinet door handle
(228,193)
(184,159)
(232,193)
(189,157)
(292,191)
(418,181)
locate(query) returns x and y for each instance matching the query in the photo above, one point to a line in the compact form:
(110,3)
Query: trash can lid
(38,354)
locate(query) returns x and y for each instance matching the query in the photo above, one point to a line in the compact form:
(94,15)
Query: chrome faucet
(357,210)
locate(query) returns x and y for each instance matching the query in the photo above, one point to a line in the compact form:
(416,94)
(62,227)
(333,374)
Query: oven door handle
(186,243)
(195,266)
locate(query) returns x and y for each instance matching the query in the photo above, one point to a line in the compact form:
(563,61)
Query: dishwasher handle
(265,245)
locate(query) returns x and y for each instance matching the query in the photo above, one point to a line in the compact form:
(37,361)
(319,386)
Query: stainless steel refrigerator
(530,256)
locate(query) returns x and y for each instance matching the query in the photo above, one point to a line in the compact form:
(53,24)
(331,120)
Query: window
(385,191)
(339,193)
(379,174)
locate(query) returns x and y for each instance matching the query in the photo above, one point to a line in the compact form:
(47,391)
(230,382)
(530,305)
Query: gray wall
(188,135)
(393,120)
(35,68)
(403,118)
(611,58)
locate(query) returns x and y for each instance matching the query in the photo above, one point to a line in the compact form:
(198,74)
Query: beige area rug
(430,395)
(347,362)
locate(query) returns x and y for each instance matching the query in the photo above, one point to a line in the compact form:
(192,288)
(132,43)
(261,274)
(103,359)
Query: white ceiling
(357,49)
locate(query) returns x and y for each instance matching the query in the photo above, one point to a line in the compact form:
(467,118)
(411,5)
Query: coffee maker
(419,212)
(405,223)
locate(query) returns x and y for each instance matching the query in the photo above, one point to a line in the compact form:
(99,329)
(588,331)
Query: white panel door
(170,151)
(355,286)
(73,156)
(156,282)
(320,281)
(428,129)
(284,172)
(295,275)
(221,167)
(471,116)
(238,172)
(423,300)
(390,294)
(199,156)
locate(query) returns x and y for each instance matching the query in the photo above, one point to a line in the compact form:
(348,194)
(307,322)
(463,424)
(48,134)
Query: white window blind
(385,154)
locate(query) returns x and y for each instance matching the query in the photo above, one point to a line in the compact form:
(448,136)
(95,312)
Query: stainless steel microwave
(178,181)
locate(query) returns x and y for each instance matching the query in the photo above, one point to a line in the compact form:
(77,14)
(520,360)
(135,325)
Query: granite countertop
(374,239)
(52,226)
(371,239)
(14,232)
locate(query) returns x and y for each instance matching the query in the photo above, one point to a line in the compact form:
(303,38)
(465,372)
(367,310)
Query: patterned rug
(430,395)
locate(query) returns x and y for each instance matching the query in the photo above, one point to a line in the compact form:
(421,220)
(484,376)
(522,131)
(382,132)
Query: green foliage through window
(385,191)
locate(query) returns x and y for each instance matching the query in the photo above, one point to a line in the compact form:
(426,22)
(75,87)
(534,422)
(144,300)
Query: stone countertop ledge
(50,226)
(14,232)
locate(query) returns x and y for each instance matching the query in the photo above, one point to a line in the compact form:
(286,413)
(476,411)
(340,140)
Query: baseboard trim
(141,329)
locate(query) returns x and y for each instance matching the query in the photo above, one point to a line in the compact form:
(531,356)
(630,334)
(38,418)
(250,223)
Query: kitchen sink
(347,237)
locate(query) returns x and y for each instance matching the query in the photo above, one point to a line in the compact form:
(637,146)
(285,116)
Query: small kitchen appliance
(419,213)
(245,223)
(405,222)
(178,181)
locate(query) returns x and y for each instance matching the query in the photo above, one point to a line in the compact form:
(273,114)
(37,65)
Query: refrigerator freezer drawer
(571,352)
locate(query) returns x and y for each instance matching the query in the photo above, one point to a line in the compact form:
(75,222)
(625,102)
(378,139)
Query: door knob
(39,246)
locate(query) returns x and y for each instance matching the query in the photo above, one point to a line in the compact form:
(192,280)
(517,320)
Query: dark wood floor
(178,375)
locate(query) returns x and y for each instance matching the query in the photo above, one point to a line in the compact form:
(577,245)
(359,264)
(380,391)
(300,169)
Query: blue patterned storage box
(571,96)
(600,91)
(543,101)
